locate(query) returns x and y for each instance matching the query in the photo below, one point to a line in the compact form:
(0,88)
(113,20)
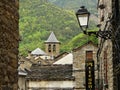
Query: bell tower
(52,45)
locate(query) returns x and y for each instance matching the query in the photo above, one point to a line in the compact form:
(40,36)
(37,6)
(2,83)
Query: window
(54,48)
(89,55)
(49,48)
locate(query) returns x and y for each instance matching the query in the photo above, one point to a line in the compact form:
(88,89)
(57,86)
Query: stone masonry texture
(9,42)
(109,46)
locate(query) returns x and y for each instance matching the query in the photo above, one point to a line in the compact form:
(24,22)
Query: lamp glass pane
(83,20)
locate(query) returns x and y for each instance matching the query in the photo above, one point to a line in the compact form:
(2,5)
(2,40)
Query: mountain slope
(38,18)
(75,4)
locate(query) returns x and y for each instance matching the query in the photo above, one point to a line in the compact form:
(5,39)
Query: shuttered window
(89,55)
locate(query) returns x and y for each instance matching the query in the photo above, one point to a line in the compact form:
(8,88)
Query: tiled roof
(52,38)
(50,72)
(38,51)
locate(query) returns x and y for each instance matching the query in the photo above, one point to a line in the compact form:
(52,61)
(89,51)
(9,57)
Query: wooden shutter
(89,55)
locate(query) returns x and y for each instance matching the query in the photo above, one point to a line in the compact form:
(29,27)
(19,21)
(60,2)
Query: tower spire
(52,38)
(52,45)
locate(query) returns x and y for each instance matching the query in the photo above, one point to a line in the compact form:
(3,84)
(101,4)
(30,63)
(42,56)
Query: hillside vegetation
(79,40)
(75,4)
(38,18)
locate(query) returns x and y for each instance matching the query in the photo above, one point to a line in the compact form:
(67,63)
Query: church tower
(52,45)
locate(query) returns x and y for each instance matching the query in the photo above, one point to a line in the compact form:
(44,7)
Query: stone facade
(21,82)
(105,54)
(9,38)
(79,58)
(106,67)
(52,46)
(108,55)
(50,77)
(52,52)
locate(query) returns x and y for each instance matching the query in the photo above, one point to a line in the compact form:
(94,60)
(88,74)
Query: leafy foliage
(75,4)
(79,40)
(39,17)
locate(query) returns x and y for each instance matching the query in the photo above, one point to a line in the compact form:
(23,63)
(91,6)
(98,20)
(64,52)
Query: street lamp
(83,18)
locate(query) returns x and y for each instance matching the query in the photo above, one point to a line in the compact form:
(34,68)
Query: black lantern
(83,18)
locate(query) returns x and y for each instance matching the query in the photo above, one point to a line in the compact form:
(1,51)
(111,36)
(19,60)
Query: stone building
(50,77)
(79,61)
(109,45)
(9,39)
(65,72)
(29,68)
(52,45)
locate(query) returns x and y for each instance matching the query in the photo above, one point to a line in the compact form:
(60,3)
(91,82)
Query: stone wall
(9,38)
(79,58)
(110,12)
(116,42)
(22,82)
(52,52)
(106,70)
(106,66)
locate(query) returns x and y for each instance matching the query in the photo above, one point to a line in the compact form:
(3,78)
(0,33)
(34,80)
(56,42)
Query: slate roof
(50,72)
(38,51)
(52,38)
